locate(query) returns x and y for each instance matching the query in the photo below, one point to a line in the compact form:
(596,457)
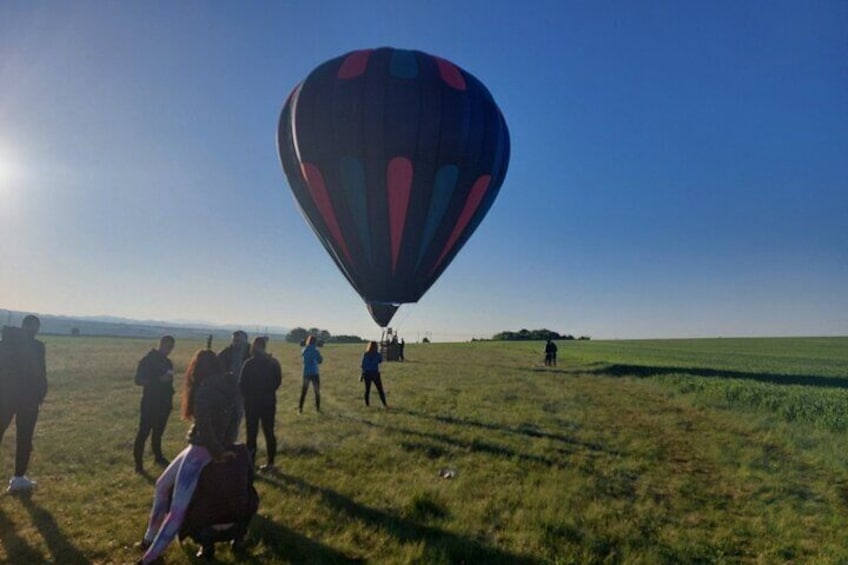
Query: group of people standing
(218,391)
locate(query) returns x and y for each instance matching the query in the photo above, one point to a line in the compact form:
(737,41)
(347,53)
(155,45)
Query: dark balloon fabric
(394,157)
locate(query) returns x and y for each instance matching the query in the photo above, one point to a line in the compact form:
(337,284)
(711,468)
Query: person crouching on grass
(371,373)
(210,399)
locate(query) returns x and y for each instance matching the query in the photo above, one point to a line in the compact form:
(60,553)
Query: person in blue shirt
(371,373)
(311,359)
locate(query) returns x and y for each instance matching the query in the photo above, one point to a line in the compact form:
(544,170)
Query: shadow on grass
(285,542)
(439,545)
(645,371)
(151,480)
(474,446)
(61,550)
(528,430)
(17,549)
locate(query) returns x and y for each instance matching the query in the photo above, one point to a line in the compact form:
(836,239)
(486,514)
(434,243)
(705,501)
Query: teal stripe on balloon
(404,64)
(443,189)
(353,179)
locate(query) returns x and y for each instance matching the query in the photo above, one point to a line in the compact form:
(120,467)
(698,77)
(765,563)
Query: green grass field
(675,451)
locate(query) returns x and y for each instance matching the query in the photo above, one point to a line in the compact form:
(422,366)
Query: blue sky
(678,168)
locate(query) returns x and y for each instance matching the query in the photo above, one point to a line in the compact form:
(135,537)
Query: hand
(167,376)
(225,456)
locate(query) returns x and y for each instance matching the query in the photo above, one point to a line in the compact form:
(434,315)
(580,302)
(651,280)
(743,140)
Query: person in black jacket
(155,373)
(258,382)
(550,353)
(23,386)
(232,358)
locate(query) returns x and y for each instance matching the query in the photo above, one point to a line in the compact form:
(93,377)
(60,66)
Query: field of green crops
(671,451)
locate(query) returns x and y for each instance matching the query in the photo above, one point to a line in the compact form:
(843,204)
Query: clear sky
(678,168)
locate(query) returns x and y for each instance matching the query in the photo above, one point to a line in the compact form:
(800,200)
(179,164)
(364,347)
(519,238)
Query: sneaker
(269,468)
(162,462)
(142,545)
(20,484)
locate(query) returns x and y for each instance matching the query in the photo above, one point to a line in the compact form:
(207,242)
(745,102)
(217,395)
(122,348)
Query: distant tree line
(534,335)
(299,335)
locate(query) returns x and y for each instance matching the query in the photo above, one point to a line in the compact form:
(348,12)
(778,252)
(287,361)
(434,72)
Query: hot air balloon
(394,157)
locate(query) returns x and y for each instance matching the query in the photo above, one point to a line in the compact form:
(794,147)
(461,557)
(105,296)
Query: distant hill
(125,327)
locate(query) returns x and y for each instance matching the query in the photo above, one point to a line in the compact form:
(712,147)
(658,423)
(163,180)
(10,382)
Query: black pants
(154,418)
(253,416)
(373,377)
(25,415)
(316,384)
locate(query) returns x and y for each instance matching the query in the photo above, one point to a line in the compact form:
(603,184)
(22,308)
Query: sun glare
(9,171)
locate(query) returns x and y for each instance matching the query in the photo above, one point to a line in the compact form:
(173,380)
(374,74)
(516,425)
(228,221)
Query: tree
(297,335)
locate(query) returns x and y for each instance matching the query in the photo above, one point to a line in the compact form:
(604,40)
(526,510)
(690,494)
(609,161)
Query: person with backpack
(23,386)
(258,382)
(155,373)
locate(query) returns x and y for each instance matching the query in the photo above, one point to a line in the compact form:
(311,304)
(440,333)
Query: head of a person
(371,348)
(259,345)
(31,324)
(239,338)
(203,365)
(310,340)
(166,344)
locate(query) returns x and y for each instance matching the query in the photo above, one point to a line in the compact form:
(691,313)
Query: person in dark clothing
(23,386)
(371,373)
(400,350)
(258,382)
(550,353)
(232,358)
(209,398)
(155,373)
(236,353)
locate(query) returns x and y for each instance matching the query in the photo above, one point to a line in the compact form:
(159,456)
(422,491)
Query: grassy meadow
(672,451)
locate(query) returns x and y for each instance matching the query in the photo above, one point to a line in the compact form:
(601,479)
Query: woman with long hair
(209,400)
(371,373)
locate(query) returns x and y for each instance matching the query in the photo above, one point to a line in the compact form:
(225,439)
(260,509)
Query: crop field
(666,451)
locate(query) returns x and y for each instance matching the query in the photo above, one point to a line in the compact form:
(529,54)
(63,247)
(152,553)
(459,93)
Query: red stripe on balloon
(318,191)
(450,74)
(398,188)
(354,64)
(471,205)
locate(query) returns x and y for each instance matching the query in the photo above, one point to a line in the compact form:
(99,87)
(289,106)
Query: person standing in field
(258,382)
(209,399)
(155,373)
(23,386)
(400,350)
(311,359)
(232,358)
(550,353)
(371,373)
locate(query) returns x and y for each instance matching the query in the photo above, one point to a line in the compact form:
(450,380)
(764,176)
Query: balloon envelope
(394,157)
